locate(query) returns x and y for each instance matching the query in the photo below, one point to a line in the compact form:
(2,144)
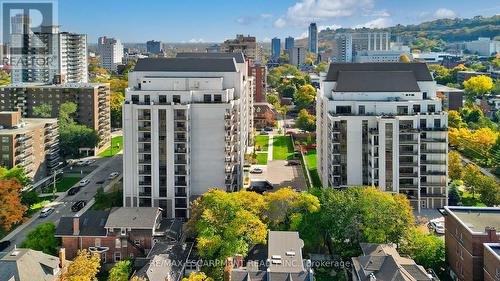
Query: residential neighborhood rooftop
(420,70)
(239,57)
(133,217)
(27,264)
(187,64)
(476,219)
(376,81)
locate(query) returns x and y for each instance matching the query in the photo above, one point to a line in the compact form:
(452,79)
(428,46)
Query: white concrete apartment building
(110,51)
(65,52)
(381,124)
(187,125)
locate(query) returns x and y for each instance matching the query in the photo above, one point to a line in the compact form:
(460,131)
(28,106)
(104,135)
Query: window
(423,123)
(162,99)
(137,242)
(5,156)
(146,99)
(5,139)
(123,231)
(118,256)
(118,243)
(135,99)
(431,108)
(402,110)
(97,242)
(343,109)
(217,98)
(424,95)
(416,108)
(437,123)
(103,257)
(361,109)
(5,148)
(176,99)
(207,98)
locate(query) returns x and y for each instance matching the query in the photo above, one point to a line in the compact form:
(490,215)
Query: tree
(478,85)
(42,238)
(306,121)
(116,102)
(73,137)
(12,209)
(43,110)
(454,196)
(471,176)
(404,58)
(426,249)
(321,67)
(29,198)
(120,271)
(455,168)
(84,267)
(197,276)
(272,99)
(489,190)
(16,172)
(454,119)
(288,91)
(67,111)
(305,96)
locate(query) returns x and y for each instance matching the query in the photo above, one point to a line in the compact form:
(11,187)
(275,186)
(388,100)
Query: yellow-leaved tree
(84,267)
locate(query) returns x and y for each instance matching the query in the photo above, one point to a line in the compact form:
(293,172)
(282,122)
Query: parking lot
(281,175)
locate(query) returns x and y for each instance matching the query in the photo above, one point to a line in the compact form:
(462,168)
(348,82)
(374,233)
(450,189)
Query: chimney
(62,257)
(238,261)
(491,232)
(228,268)
(76,225)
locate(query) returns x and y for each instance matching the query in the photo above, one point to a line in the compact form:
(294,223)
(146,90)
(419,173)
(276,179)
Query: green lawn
(311,159)
(116,146)
(262,158)
(66,183)
(282,148)
(262,142)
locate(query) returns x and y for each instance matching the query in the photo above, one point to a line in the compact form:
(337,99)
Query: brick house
(491,261)
(118,233)
(467,229)
(264,115)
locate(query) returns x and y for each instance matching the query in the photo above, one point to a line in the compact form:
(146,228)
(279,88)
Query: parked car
(46,212)
(74,190)
(113,175)
(83,182)
(89,162)
(100,182)
(257,171)
(4,245)
(264,133)
(260,186)
(78,205)
(437,226)
(81,163)
(268,129)
(292,163)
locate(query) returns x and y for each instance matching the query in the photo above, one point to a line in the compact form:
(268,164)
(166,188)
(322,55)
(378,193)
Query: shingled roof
(420,70)
(237,56)
(376,81)
(188,64)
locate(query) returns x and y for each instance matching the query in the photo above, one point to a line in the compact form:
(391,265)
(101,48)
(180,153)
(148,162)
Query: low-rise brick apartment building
(32,143)
(92,100)
(491,261)
(117,234)
(467,234)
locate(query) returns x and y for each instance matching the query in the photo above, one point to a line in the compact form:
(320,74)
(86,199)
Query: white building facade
(483,46)
(110,51)
(381,124)
(187,126)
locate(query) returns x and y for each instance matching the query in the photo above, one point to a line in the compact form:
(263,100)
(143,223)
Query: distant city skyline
(214,21)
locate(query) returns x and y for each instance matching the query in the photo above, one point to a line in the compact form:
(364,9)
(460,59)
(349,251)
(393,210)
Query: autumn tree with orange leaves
(12,209)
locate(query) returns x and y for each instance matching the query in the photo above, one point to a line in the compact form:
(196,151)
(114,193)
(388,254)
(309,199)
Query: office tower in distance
(350,45)
(153,47)
(187,126)
(289,43)
(31,143)
(297,56)
(92,101)
(64,54)
(313,38)
(275,49)
(110,51)
(381,124)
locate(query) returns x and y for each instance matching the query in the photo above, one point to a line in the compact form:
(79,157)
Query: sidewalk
(270,149)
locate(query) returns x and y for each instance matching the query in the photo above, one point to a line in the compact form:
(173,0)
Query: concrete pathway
(270,149)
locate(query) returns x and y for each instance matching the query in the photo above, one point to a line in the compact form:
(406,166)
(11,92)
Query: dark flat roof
(237,56)
(186,64)
(420,70)
(376,81)
(476,219)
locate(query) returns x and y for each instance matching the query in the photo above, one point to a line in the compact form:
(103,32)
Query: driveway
(280,175)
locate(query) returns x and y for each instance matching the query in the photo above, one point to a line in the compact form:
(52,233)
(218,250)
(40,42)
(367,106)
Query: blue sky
(216,20)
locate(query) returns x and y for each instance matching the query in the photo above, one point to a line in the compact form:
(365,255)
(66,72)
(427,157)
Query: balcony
(408,152)
(180,150)
(436,140)
(408,175)
(180,117)
(180,183)
(180,172)
(180,138)
(181,161)
(408,141)
(433,162)
(144,128)
(144,150)
(180,129)
(432,195)
(435,129)
(180,193)
(408,186)
(433,173)
(144,139)
(434,151)
(144,161)
(432,184)
(144,171)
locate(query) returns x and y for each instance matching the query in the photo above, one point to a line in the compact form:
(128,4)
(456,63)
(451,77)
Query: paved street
(105,166)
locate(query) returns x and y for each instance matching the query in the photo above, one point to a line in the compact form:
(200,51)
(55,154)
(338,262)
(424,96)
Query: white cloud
(306,11)
(441,13)
(444,13)
(376,23)
(279,23)
(380,13)
(333,27)
(194,40)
